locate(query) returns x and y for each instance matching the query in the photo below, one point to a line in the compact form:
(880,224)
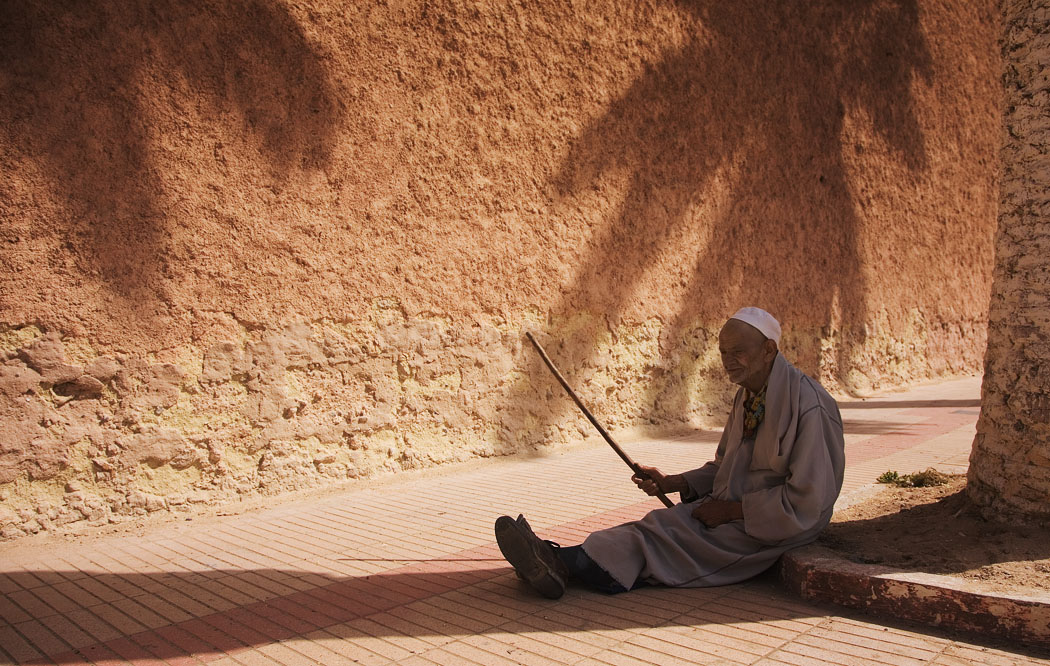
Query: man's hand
(658,482)
(718,512)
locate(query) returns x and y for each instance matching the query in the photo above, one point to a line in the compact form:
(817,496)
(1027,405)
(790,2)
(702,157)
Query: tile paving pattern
(406,571)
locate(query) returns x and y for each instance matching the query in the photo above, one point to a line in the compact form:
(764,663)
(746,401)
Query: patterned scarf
(754,412)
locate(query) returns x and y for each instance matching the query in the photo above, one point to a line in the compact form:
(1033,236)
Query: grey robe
(788,478)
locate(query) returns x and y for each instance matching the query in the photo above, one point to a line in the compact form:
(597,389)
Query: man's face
(745,354)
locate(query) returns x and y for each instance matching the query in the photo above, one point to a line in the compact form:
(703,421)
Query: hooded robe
(787,476)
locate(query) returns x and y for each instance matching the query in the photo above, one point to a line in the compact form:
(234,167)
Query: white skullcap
(761,320)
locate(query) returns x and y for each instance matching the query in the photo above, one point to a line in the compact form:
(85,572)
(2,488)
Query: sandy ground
(936,530)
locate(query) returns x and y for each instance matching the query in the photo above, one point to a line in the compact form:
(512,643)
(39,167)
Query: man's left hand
(718,512)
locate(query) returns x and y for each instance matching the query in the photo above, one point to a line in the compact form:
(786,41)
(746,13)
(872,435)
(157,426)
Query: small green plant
(889,477)
(924,479)
(929,477)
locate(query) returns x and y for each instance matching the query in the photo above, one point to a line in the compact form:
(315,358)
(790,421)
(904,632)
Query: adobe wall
(1009,470)
(257,246)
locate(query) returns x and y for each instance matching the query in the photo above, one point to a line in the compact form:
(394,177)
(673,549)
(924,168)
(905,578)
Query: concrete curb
(819,574)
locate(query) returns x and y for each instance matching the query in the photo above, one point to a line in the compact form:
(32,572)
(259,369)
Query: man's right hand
(654,481)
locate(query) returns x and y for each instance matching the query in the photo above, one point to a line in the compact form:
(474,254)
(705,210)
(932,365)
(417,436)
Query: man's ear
(770,348)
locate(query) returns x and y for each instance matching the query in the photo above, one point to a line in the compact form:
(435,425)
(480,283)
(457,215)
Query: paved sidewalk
(406,571)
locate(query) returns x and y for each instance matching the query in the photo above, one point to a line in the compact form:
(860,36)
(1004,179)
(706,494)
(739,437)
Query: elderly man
(772,486)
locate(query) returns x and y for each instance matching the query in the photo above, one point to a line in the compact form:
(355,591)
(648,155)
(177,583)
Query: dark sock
(582,568)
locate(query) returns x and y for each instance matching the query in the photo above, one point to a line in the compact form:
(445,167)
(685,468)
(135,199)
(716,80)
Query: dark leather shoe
(533,559)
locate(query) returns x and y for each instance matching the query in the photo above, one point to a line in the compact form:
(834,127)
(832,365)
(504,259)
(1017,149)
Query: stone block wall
(250,247)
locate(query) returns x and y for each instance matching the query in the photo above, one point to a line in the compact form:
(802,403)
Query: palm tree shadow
(95,91)
(731,151)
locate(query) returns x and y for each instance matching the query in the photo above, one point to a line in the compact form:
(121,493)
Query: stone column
(1010,462)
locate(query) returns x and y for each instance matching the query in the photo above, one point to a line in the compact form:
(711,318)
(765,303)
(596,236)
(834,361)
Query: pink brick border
(818,574)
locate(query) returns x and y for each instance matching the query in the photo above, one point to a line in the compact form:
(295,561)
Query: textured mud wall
(249,246)
(1010,463)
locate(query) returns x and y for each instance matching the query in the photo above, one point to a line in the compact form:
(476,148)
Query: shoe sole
(516,548)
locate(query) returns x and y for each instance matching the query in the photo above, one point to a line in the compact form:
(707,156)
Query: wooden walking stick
(590,417)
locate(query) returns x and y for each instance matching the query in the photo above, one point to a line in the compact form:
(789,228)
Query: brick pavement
(405,571)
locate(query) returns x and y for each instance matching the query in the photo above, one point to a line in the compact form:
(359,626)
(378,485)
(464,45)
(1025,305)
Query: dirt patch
(937,530)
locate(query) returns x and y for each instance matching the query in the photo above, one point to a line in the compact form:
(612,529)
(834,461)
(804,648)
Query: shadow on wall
(750,112)
(98,92)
